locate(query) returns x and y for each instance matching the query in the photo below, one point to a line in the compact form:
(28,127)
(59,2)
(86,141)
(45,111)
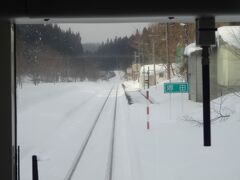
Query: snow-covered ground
(173,147)
(54,119)
(55,123)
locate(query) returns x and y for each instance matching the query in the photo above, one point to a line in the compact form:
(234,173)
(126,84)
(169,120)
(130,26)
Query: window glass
(123,101)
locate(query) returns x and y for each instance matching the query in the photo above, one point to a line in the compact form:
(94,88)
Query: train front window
(123,101)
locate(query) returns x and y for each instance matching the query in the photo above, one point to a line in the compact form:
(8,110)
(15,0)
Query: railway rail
(80,154)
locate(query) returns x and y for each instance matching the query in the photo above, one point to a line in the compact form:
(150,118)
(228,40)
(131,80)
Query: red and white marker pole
(148,123)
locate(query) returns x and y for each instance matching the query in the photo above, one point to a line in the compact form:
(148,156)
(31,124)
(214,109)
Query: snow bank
(230,34)
(173,147)
(191,48)
(158,68)
(131,85)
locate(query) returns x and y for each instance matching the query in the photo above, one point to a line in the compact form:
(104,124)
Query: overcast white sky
(99,32)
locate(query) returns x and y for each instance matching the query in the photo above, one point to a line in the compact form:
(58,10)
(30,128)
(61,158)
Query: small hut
(194,75)
(224,65)
(228,74)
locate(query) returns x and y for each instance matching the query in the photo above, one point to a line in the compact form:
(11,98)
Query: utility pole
(138,60)
(135,62)
(132,72)
(186,42)
(117,68)
(139,57)
(167,53)
(135,56)
(186,38)
(153,56)
(144,80)
(148,77)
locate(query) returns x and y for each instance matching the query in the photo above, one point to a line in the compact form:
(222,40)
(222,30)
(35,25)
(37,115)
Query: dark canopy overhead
(115,8)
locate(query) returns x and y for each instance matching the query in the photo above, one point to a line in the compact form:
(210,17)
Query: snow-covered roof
(230,34)
(158,68)
(191,48)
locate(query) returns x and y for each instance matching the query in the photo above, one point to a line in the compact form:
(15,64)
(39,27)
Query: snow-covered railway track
(107,108)
(109,175)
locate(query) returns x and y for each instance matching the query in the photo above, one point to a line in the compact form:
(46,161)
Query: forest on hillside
(46,53)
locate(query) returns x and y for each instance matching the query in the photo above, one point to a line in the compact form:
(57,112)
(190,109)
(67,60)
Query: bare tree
(220,113)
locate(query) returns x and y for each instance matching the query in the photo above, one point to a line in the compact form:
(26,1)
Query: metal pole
(205,37)
(34,167)
(18,160)
(206,97)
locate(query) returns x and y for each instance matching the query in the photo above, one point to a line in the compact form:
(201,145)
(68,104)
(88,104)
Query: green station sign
(176,87)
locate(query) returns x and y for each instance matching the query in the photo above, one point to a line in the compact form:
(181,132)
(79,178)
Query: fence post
(34,167)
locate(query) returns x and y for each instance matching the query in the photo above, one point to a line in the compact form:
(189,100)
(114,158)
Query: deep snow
(173,147)
(54,119)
